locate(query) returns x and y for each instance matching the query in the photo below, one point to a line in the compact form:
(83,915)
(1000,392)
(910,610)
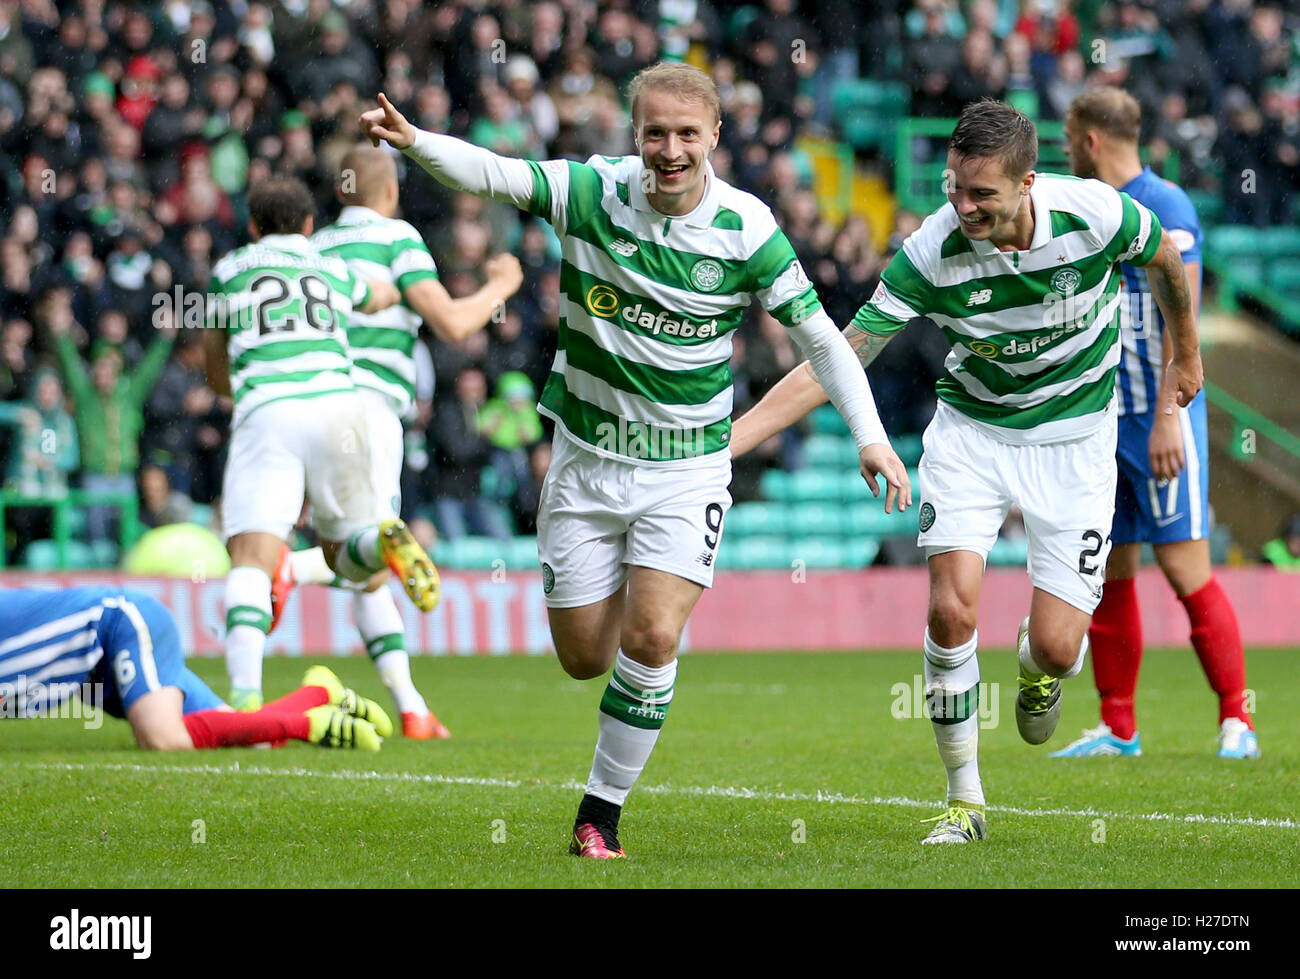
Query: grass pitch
(773,771)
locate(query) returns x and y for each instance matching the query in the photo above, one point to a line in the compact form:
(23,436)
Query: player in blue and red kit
(1163,491)
(120,650)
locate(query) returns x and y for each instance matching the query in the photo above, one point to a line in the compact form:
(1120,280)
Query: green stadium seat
(43,555)
(1232,240)
(201,514)
(908,448)
(820,552)
(866,129)
(1247,270)
(811,486)
(1281,241)
(104,553)
(775,484)
(522,553)
(1009,552)
(831,452)
(889,100)
(757,520)
(862,551)
(871,519)
(825,420)
(1284,274)
(472,553)
(817,520)
(750,553)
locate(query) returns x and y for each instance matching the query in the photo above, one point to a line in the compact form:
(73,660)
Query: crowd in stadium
(131,132)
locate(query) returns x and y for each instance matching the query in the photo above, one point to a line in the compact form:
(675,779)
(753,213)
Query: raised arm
(455,319)
(454,162)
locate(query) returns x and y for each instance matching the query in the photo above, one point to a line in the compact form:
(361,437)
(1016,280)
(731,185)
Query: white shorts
(970,480)
(598,515)
(284,449)
(387,446)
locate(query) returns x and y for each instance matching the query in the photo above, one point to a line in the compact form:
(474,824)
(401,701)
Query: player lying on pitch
(123,645)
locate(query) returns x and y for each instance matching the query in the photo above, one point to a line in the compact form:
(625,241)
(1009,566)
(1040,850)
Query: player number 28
(316,306)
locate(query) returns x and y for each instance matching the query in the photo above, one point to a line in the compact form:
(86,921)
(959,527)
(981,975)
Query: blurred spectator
(527,498)
(1283,551)
(461,453)
(777,47)
(45,452)
(109,413)
(933,57)
(42,456)
(16,359)
(511,423)
(180,404)
(161,505)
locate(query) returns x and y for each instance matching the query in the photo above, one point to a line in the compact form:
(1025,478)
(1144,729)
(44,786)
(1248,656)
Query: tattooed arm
(1183,375)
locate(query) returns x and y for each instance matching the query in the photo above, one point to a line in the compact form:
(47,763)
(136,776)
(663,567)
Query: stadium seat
(871,519)
(1283,274)
(472,553)
(1278,242)
(43,555)
(820,552)
(757,520)
(750,553)
(1231,240)
(522,553)
(817,520)
(908,448)
(825,420)
(1013,552)
(775,484)
(104,553)
(810,485)
(830,452)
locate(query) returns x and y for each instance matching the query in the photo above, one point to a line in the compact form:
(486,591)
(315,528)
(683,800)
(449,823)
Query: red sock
(302,699)
(1216,638)
(226,728)
(1116,639)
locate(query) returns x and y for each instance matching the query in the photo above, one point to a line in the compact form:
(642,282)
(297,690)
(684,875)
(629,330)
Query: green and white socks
(952,693)
(248,619)
(632,711)
(381,628)
(379,622)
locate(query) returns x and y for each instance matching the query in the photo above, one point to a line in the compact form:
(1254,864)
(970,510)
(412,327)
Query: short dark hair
(992,128)
(280,205)
(1111,110)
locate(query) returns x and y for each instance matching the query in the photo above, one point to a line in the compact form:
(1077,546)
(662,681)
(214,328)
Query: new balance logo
(979,297)
(706,558)
(623,247)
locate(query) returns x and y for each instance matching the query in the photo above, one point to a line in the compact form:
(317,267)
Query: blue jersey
(1142,328)
(107,645)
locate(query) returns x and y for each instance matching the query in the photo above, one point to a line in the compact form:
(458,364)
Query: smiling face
(675,137)
(991,205)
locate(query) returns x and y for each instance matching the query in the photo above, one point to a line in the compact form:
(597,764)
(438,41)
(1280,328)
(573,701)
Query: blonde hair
(686,82)
(369,169)
(1112,110)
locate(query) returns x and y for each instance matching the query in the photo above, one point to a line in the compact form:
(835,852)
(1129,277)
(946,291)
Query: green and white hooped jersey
(648,305)
(382,344)
(285,308)
(1034,334)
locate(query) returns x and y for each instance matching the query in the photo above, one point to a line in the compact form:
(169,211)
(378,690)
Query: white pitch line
(714,791)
